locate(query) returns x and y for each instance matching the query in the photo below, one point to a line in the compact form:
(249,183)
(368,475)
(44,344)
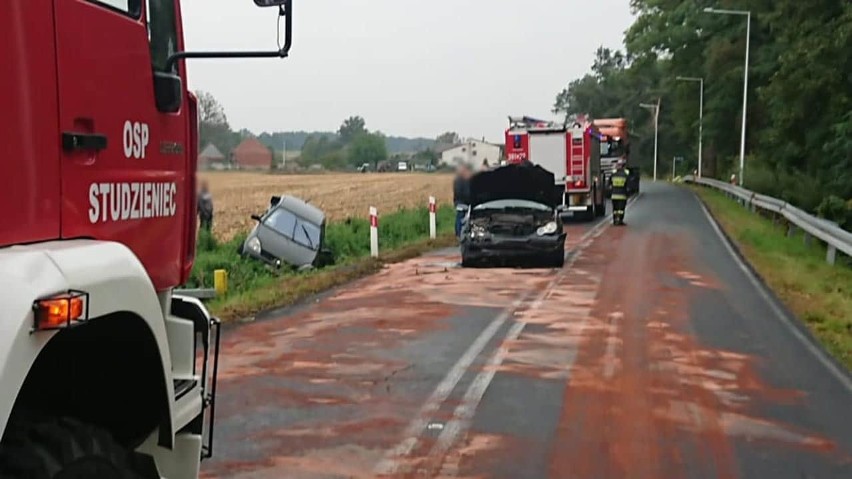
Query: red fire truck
(615,146)
(104,372)
(570,152)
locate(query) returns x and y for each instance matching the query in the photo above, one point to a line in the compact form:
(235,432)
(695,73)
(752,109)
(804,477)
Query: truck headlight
(547,229)
(477,231)
(253,245)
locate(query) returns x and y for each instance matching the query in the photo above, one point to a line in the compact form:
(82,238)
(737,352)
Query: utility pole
(700,121)
(747,14)
(283,153)
(656,109)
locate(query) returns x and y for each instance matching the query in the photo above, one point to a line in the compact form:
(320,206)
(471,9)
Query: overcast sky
(409,67)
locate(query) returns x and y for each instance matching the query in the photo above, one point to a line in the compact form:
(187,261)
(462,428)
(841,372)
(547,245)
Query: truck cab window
(129,7)
(162,32)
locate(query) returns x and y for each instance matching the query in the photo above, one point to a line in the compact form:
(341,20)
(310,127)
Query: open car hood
(523,181)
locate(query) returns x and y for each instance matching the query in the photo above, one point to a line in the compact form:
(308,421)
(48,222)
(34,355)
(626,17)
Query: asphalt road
(653,354)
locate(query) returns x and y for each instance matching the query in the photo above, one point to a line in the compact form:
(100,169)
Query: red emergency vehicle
(571,152)
(104,372)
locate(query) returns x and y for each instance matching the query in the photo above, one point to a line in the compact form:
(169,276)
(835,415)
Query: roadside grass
(818,293)
(254,287)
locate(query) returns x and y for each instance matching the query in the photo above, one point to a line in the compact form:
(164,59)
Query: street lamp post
(656,109)
(700,121)
(745,82)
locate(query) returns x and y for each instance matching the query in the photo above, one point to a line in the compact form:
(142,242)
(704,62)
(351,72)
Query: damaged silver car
(291,232)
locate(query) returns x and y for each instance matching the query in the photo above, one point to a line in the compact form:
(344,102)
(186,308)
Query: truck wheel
(48,448)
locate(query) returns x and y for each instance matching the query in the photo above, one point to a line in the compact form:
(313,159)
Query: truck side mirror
(285,11)
(168,92)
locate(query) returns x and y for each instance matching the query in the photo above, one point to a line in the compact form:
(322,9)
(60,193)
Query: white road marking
(390,462)
(388,465)
(780,315)
(463,415)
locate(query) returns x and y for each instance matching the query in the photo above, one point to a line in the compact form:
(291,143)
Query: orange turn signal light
(60,311)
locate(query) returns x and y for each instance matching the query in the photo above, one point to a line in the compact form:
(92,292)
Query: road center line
(388,465)
(390,462)
(463,415)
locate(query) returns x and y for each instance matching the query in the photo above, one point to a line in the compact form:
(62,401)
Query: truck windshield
(612,149)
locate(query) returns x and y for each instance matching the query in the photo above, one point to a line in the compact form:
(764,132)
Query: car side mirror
(257,218)
(270,3)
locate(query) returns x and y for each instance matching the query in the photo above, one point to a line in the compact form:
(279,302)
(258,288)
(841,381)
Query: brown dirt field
(238,195)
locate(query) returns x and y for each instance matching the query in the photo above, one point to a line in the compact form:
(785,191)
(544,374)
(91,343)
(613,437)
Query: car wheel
(48,448)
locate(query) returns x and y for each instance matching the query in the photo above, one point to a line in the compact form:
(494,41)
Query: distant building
(472,152)
(251,154)
(212,159)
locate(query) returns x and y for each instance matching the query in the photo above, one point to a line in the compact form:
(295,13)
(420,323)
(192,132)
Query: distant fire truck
(615,146)
(571,152)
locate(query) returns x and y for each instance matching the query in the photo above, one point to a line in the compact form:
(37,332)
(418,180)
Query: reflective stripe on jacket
(619,185)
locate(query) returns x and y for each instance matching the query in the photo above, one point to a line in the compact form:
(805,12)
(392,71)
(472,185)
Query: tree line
(352,145)
(799,120)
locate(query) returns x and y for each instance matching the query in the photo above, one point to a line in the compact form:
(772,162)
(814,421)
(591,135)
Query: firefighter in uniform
(619,193)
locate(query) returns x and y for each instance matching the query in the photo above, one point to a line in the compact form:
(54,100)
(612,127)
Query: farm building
(473,152)
(212,159)
(251,154)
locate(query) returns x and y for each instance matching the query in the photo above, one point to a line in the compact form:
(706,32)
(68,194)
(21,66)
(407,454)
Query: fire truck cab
(615,147)
(104,372)
(571,153)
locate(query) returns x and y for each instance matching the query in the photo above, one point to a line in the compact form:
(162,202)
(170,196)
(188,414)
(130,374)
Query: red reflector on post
(60,311)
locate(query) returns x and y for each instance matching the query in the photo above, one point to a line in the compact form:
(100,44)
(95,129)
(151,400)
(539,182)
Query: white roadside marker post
(433,226)
(374,232)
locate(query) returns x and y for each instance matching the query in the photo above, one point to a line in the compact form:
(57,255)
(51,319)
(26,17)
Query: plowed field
(238,195)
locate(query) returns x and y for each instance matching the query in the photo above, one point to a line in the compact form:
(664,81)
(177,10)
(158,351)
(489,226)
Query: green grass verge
(253,287)
(818,293)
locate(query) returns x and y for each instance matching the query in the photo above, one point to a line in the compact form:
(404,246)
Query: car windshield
(307,234)
(512,204)
(282,221)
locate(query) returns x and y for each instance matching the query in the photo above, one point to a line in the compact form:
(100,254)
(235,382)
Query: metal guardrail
(835,238)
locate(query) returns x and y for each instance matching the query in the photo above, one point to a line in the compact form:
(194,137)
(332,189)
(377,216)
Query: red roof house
(251,154)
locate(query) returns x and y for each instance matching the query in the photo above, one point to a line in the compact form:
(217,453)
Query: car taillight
(579,184)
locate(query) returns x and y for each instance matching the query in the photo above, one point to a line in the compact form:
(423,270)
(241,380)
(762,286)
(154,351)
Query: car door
(124,168)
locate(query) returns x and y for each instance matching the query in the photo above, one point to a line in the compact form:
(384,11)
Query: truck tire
(50,448)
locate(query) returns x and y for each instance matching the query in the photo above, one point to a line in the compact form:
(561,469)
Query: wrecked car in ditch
(291,232)
(512,219)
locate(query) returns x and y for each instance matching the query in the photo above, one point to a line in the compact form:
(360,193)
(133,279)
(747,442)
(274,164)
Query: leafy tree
(800,91)
(351,128)
(449,138)
(210,110)
(317,147)
(213,124)
(368,148)
(428,156)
